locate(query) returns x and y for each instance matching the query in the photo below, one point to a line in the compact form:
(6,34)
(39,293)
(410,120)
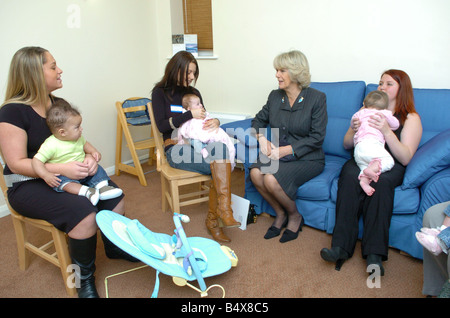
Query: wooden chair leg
(118,147)
(174,190)
(163,194)
(62,250)
(151,151)
(137,164)
(24,254)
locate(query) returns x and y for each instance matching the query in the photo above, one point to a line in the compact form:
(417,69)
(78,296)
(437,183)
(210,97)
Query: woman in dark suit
(297,115)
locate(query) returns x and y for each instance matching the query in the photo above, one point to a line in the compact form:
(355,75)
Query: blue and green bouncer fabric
(176,255)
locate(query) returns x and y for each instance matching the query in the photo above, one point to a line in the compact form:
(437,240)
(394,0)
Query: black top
(24,117)
(163,101)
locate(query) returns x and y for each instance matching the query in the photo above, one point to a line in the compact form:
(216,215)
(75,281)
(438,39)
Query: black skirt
(35,199)
(290,174)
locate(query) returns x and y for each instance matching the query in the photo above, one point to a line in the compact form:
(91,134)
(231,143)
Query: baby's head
(191,101)
(64,121)
(376,99)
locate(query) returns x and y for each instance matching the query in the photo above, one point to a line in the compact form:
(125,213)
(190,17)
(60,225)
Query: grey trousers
(436,269)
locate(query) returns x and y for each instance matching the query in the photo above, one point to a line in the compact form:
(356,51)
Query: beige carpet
(266,268)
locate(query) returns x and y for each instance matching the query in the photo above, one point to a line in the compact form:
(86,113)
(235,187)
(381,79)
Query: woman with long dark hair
(180,74)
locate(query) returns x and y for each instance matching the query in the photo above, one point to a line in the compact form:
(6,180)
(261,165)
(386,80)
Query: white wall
(113,55)
(110,57)
(122,47)
(176,16)
(343,40)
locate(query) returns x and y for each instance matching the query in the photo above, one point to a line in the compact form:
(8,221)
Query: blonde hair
(297,65)
(26,82)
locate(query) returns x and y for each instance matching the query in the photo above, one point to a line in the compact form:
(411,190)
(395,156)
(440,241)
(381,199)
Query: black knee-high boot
(82,253)
(114,252)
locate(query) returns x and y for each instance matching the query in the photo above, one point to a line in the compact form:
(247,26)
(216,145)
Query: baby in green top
(66,145)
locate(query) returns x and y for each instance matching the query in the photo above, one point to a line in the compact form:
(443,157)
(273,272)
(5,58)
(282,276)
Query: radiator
(226,118)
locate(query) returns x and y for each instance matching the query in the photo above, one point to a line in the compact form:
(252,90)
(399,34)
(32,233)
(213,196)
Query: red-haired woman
(376,209)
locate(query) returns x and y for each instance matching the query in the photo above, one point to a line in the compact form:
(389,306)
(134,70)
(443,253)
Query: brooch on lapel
(299,101)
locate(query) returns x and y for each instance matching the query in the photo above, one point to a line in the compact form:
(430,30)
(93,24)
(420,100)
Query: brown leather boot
(221,175)
(211,221)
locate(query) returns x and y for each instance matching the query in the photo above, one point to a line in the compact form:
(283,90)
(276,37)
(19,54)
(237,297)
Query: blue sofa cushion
(333,143)
(343,100)
(318,188)
(433,107)
(406,201)
(429,159)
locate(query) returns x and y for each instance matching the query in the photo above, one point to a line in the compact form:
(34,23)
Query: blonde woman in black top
(33,77)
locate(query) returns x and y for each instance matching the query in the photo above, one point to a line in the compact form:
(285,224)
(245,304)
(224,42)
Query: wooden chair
(55,251)
(173,179)
(133,112)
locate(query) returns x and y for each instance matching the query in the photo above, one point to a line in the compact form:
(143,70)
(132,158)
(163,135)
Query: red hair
(405,98)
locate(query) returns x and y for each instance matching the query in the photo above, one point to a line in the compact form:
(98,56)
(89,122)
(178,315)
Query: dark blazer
(303,126)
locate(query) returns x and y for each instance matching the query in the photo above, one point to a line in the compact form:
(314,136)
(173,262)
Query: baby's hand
(52,180)
(97,156)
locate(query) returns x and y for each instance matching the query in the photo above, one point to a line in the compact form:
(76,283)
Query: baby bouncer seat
(185,259)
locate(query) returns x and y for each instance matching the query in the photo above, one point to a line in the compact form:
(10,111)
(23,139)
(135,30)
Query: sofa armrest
(247,145)
(241,131)
(430,158)
(435,190)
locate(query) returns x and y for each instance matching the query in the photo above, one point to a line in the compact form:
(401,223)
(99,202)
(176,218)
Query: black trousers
(376,210)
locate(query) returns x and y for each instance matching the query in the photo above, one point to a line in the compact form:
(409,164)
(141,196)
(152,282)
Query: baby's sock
(101,184)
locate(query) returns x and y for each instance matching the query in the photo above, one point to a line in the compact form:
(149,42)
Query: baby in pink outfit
(370,155)
(193,132)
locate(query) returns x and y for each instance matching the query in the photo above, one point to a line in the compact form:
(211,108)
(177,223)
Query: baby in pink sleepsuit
(370,155)
(193,132)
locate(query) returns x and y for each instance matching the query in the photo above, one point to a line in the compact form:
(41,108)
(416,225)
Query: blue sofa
(427,177)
